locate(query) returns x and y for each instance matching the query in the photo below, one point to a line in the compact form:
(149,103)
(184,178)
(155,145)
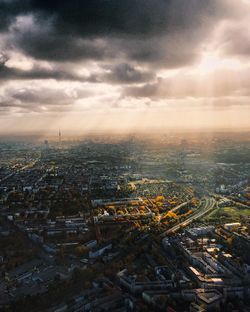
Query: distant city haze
(124,67)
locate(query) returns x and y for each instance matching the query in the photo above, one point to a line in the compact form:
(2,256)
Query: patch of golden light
(211,62)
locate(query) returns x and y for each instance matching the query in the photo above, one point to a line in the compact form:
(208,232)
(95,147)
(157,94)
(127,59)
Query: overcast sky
(124,65)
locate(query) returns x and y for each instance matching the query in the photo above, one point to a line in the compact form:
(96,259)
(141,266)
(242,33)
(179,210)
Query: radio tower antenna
(60,136)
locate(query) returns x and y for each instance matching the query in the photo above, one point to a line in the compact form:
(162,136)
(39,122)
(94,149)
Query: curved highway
(207,205)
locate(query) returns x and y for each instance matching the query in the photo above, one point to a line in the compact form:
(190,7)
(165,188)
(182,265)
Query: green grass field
(228,214)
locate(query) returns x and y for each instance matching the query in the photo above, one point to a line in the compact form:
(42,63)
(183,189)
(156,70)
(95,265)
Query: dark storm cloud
(9,9)
(120,73)
(48,45)
(145,31)
(130,17)
(7,73)
(127,74)
(122,42)
(36,72)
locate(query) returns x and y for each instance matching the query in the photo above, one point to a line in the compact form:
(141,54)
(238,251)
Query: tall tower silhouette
(60,136)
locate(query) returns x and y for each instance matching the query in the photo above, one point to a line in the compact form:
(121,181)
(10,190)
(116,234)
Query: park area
(228,214)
